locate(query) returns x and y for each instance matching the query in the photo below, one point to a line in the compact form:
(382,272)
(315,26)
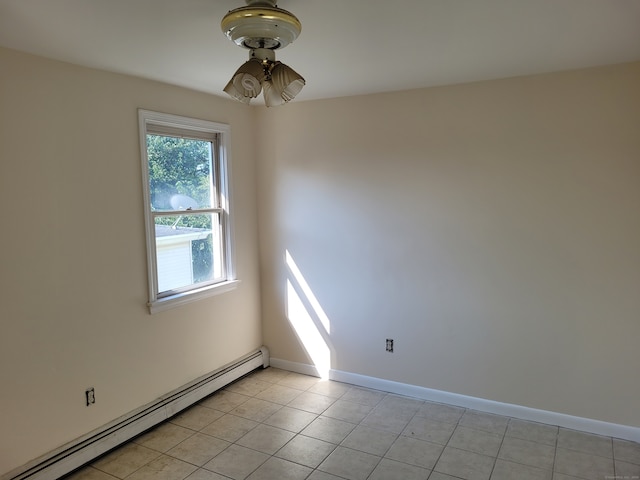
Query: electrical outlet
(390,345)
(90,395)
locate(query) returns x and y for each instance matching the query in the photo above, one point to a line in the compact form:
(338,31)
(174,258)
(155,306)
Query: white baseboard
(296,367)
(490,406)
(85,449)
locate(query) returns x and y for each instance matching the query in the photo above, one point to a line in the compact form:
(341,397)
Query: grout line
(457,424)
(555,451)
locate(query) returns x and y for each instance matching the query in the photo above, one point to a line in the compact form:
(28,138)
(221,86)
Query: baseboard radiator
(85,449)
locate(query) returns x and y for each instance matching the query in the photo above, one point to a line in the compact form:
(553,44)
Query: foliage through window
(186,197)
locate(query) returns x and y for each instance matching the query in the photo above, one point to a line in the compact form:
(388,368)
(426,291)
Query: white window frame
(173,125)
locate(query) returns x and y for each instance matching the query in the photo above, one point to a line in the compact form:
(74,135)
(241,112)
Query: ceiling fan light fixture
(262,27)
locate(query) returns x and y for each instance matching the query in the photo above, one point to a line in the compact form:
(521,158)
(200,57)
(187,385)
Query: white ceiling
(347,47)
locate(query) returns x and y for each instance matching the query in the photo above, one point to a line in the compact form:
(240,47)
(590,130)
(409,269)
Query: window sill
(188,297)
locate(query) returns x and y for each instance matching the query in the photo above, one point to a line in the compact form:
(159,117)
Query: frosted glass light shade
(272,97)
(286,81)
(247,81)
(232,92)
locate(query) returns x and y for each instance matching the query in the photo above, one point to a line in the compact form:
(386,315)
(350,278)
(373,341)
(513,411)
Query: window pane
(179,173)
(188,250)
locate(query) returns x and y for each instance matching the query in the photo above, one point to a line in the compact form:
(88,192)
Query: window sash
(153,123)
(167,129)
(217,253)
(175,213)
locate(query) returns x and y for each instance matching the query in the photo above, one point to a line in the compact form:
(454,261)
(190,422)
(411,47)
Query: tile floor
(277,425)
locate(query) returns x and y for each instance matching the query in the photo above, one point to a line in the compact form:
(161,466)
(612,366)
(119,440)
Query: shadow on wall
(308,319)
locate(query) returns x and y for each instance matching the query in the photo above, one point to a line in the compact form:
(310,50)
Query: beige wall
(491,229)
(73,282)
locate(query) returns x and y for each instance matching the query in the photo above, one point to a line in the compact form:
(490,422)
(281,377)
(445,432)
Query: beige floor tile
(266,439)
(627,470)
(350,464)
(224,400)
(270,374)
(229,427)
(391,470)
(582,465)
(126,460)
(562,476)
(463,464)
(202,474)
(440,412)
(330,389)
(388,418)
(196,417)
(248,386)
(307,451)
(476,441)
(585,442)
(347,411)
(370,440)
(291,419)
(312,402)
(364,396)
(164,437)
(504,470)
(527,453)
(360,433)
(277,468)
(279,394)
(441,476)
(90,473)
(236,462)
(256,409)
(298,381)
(198,449)
(318,475)
(415,452)
(626,451)
(401,404)
(534,432)
(429,430)
(484,421)
(328,429)
(164,468)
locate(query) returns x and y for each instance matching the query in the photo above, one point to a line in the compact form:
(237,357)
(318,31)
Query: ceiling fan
(262,28)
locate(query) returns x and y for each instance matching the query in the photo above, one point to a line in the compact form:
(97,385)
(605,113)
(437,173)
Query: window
(186,195)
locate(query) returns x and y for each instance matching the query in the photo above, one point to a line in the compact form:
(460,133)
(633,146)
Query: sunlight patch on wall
(300,317)
(308,293)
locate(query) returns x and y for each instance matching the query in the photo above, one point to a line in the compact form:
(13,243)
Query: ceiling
(347,47)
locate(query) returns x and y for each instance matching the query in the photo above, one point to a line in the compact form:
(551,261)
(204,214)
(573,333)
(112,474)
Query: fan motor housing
(261,27)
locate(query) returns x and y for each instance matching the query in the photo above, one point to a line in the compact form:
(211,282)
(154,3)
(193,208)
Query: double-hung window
(186,195)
